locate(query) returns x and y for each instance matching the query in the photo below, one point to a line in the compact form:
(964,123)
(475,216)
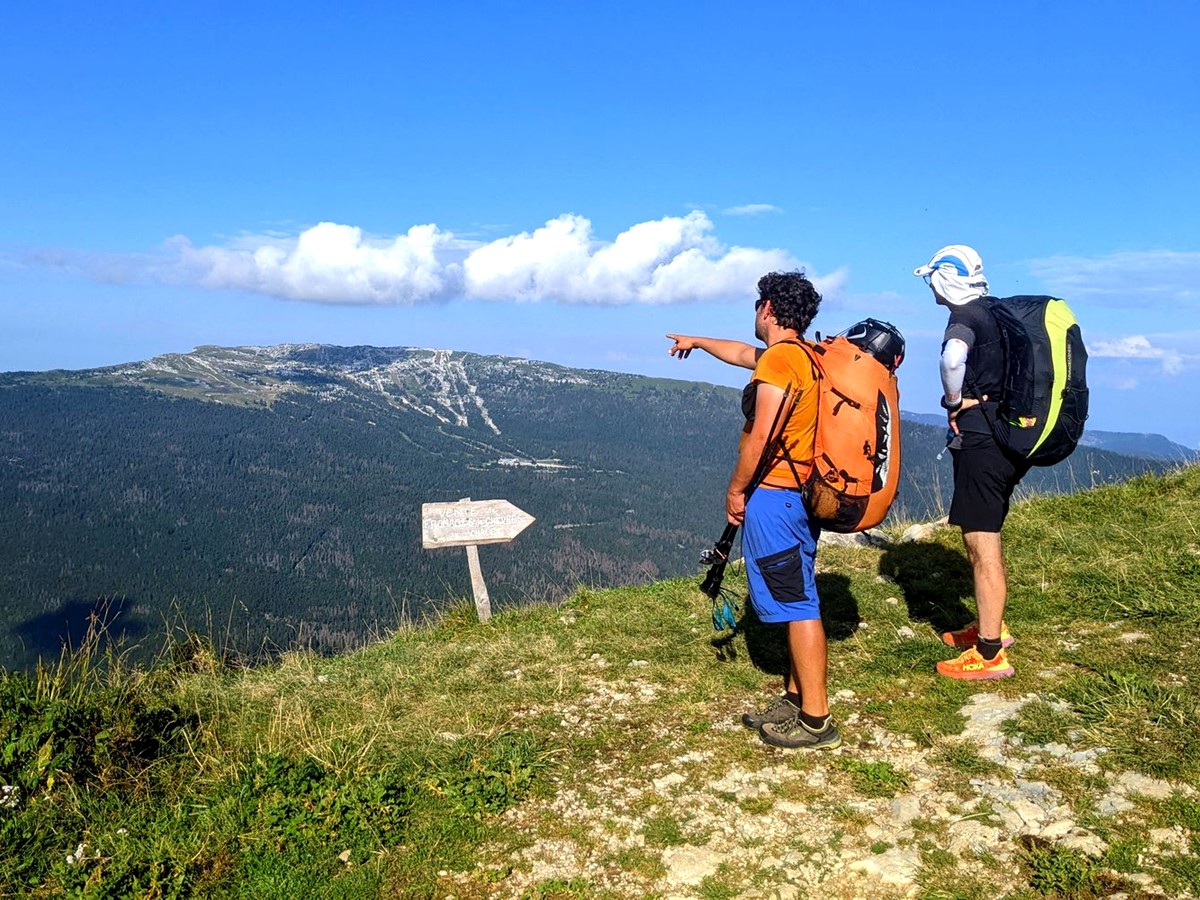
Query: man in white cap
(972,368)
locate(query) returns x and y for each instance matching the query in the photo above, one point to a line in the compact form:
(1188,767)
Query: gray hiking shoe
(778,710)
(795,735)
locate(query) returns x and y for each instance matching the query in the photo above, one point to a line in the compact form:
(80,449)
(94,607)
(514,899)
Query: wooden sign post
(469,523)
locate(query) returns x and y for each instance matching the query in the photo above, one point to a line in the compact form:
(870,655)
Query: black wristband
(951,407)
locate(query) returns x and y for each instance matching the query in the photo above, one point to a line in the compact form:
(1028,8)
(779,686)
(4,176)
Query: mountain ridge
(1141,445)
(404,359)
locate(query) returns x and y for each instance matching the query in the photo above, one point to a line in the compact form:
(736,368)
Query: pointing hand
(683,346)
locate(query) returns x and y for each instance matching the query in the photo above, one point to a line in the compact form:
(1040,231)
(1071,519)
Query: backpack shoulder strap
(810,351)
(774,436)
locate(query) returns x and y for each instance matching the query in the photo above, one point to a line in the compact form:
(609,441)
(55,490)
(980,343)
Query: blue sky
(569,182)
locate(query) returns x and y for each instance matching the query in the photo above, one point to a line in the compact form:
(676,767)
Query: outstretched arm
(735,353)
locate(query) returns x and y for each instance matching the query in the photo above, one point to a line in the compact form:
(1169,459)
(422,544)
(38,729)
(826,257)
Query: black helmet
(881,339)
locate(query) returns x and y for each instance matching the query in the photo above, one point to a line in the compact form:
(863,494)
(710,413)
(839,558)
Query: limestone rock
(905,808)
(690,865)
(896,866)
(917,533)
(1136,783)
(972,835)
(1085,842)
(857,539)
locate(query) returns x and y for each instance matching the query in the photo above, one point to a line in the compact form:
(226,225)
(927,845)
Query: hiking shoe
(967,636)
(778,710)
(795,735)
(970,666)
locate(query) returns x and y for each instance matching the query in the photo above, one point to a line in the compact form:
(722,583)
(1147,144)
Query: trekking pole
(718,557)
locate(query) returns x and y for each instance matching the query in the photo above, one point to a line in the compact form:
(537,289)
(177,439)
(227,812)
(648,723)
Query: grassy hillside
(593,749)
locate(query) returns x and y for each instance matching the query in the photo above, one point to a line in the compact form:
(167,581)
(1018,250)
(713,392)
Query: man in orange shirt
(779,542)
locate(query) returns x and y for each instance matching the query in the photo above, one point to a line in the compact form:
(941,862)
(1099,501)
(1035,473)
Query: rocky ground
(880,817)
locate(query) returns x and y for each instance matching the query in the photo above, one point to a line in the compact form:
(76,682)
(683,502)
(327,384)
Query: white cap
(956,274)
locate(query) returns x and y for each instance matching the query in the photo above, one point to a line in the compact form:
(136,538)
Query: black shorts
(984,479)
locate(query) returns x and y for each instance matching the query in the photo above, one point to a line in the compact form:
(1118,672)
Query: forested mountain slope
(273,494)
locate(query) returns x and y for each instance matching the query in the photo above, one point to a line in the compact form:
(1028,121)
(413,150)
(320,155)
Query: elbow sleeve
(953,367)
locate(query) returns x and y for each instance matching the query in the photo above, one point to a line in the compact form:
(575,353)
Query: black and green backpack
(1045,399)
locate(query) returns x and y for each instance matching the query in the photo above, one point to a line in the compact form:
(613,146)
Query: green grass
(963,758)
(1061,872)
(1039,722)
(664,831)
(447,749)
(874,779)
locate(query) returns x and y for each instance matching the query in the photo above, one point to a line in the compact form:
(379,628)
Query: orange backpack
(856,453)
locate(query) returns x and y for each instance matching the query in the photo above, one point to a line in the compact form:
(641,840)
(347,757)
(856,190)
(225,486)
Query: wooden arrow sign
(467,522)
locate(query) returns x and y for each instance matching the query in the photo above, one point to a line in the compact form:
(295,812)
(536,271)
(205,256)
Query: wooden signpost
(469,523)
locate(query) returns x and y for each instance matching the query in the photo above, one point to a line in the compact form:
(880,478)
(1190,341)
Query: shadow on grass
(766,644)
(934,580)
(44,636)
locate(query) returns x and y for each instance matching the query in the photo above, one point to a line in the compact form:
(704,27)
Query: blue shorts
(780,547)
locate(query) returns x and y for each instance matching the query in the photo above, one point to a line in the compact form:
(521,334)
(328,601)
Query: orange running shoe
(970,666)
(967,636)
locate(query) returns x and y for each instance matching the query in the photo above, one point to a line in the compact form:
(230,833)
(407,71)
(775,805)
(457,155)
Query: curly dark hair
(793,298)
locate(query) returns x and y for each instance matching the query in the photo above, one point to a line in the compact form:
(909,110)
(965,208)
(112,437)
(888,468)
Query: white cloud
(1130,279)
(328,263)
(751,209)
(1138,346)
(671,260)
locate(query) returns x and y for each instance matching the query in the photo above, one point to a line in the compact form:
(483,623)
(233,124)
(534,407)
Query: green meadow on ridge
(593,749)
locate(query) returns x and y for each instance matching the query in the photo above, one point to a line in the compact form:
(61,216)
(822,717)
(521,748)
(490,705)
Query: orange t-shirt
(782,365)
